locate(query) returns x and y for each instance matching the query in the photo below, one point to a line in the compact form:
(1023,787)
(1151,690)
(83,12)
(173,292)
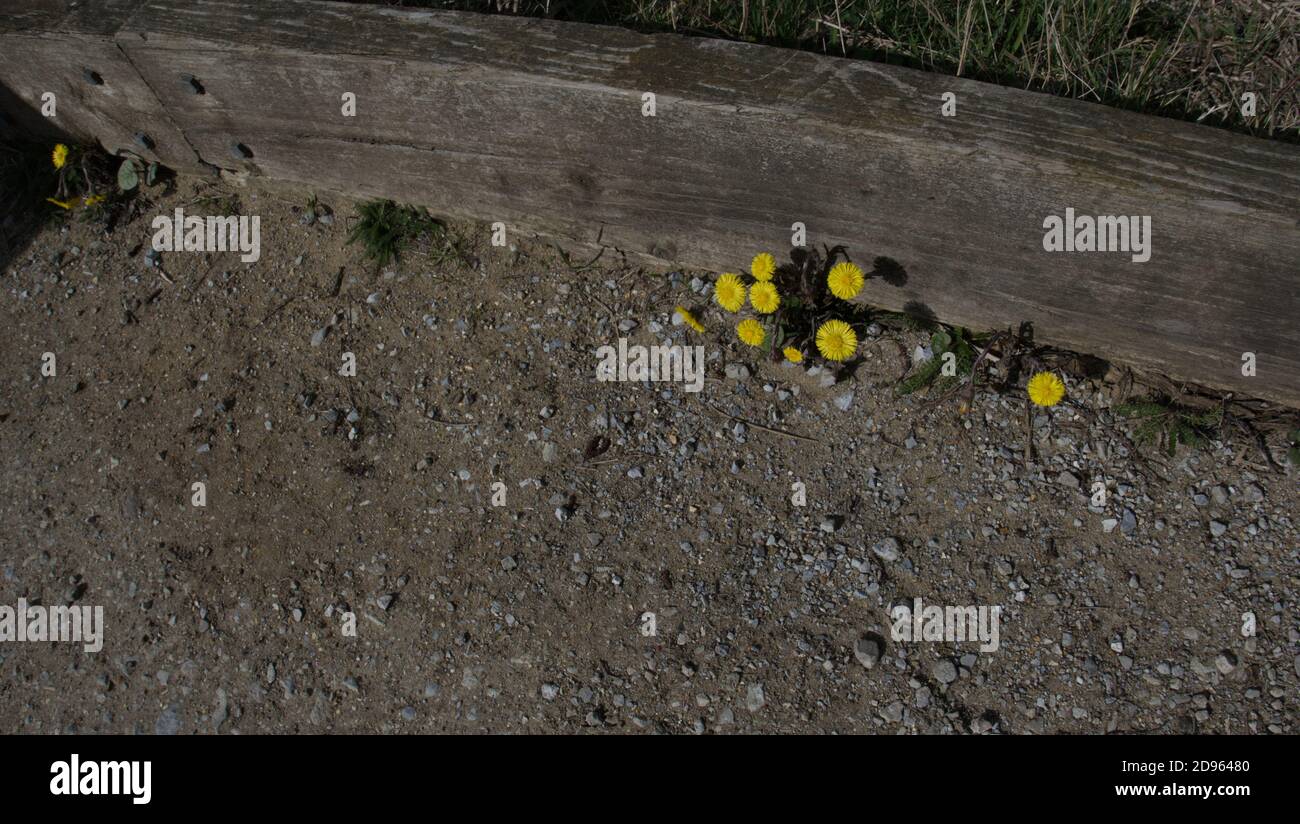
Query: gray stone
(169,722)
(1068,480)
(944,671)
(1225,662)
(867,651)
(737,371)
(887,549)
(1128,522)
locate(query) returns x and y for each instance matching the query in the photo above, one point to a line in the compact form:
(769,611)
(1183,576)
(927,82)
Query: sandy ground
(372,495)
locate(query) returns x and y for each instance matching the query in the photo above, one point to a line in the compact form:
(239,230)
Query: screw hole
(92,77)
(193,84)
(241,151)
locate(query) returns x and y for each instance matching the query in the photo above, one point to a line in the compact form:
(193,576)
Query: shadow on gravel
(27,175)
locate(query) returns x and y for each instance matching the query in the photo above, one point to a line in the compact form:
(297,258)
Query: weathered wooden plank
(539,124)
(69,49)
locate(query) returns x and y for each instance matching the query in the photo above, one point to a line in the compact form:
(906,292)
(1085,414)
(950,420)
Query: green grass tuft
(385,229)
(1162,422)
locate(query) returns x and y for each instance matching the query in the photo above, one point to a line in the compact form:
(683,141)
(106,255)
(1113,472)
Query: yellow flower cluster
(60,156)
(835,339)
(730,292)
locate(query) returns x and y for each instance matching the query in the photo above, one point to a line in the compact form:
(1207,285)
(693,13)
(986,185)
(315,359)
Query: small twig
(450,423)
(1029,433)
(761,426)
(90,184)
(595,464)
(599,301)
(975,367)
(277,309)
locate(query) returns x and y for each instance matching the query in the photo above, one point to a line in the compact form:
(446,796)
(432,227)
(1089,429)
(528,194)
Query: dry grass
(1190,59)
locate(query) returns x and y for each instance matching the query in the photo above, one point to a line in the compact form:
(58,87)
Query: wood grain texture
(539,124)
(50,45)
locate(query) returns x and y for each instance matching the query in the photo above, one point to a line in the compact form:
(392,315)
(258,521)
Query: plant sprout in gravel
(76,185)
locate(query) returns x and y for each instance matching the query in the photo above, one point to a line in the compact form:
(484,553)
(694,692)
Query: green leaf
(940,341)
(152,175)
(127,176)
(921,377)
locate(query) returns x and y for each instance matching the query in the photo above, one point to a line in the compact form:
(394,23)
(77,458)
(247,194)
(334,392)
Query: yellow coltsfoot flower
(1046,389)
(845,280)
(60,156)
(764,298)
(763,266)
(836,340)
(793,355)
(688,318)
(751,332)
(729,292)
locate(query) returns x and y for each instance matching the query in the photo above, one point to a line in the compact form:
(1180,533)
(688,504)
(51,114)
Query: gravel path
(373,496)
